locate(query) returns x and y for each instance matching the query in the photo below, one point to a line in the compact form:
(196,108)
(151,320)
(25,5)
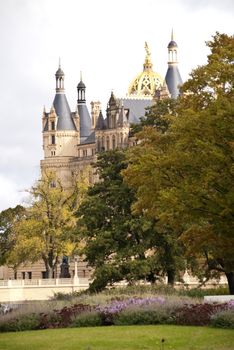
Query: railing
(44,282)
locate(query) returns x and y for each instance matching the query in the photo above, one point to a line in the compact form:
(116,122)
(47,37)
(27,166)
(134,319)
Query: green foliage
(87,319)
(8,218)
(22,323)
(46,230)
(145,316)
(158,116)
(223,319)
(116,240)
(184,177)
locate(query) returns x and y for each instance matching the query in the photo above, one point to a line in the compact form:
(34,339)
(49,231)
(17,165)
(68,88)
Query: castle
(72,139)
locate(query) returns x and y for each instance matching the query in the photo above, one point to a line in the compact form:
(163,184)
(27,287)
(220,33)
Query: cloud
(224,5)
(11,194)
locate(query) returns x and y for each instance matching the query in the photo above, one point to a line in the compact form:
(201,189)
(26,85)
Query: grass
(121,338)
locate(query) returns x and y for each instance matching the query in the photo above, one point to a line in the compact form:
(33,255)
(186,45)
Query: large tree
(46,231)
(184,178)
(117,242)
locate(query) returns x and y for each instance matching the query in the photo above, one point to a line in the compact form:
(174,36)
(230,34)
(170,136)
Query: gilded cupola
(146,82)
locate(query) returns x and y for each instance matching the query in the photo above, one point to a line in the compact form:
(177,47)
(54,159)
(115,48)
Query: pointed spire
(172,35)
(100,125)
(122,120)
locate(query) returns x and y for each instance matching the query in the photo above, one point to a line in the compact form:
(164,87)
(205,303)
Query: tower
(85,120)
(173,78)
(60,132)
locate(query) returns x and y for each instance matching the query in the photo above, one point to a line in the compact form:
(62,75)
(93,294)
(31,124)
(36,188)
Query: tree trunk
(230,278)
(171,277)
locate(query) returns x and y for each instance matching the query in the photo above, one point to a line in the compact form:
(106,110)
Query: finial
(172,35)
(147,64)
(147,49)
(44,109)
(59,62)
(80,75)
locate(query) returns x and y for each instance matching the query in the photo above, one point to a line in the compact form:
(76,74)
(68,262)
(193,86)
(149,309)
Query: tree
(184,178)
(47,230)
(157,116)
(8,219)
(117,242)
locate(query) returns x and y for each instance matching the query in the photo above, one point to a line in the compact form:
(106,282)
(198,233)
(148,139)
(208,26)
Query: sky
(102,38)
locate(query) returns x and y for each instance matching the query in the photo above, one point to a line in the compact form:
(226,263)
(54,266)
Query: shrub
(63,317)
(109,312)
(87,319)
(144,317)
(197,314)
(23,323)
(223,319)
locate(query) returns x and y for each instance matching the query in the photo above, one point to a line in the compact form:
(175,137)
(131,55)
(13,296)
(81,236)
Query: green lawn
(121,338)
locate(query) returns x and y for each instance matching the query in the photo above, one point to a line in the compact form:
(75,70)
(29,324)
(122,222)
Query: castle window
(99,144)
(84,152)
(53,139)
(107,143)
(113,142)
(52,125)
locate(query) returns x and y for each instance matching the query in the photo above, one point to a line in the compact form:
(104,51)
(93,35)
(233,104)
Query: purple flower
(117,306)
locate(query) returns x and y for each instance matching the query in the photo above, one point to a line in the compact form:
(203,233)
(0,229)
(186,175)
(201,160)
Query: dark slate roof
(81,85)
(85,120)
(59,72)
(100,125)
(62,109)
(173,80)
(172,43)
(136,108)
(89,139)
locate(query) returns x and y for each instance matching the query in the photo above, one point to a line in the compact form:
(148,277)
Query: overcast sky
(102,38)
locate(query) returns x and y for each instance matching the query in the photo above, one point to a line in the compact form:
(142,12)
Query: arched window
(113,142)
(52,125)
(99,144)
(121,140)
(107,143)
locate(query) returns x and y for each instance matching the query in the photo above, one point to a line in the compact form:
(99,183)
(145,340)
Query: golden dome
(145,83)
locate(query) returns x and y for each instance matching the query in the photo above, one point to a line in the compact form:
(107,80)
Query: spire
(59,77)
(172,35)
(81,91)
(173,78)
(147,64)
(85,120)
(100,125)
(122,120)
